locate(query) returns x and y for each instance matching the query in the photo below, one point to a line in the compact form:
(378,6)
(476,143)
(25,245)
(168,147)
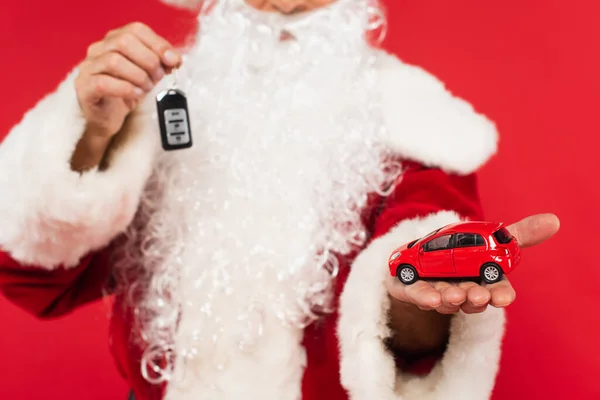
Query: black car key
(173,118)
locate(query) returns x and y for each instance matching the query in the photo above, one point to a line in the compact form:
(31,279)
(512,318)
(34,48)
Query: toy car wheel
(407,274)
(491,273)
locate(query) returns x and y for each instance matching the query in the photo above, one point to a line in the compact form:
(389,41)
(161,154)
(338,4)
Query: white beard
(238,236)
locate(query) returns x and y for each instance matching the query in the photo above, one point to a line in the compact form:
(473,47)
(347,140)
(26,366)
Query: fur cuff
(427,124)
(368,371)
(49,214)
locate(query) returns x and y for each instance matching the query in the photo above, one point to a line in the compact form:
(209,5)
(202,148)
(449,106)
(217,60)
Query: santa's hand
(118,72)
(449,298)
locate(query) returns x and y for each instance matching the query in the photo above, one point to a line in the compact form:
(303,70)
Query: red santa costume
(253,264)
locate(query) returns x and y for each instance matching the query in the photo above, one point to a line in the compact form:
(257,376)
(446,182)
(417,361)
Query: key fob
(173,118)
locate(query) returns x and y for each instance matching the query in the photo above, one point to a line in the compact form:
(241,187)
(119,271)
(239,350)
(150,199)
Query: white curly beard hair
(233,251)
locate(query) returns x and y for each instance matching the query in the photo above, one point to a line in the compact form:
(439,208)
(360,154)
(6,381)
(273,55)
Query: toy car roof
(471,227)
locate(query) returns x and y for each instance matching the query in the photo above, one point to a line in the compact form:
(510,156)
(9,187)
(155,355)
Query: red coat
(346,357)
(51,294)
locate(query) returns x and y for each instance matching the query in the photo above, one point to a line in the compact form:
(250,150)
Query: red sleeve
(423,191)
(52,293)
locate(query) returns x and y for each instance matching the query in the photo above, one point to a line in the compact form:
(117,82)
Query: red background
(529,65)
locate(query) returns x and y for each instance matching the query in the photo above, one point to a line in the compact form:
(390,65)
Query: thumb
(534,229)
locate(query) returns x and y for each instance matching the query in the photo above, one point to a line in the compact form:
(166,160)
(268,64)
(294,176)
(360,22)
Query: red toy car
(461,250)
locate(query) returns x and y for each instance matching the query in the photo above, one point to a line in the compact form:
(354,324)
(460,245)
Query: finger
(443,309)
(98,86)
(467,308)
(452,295)
(534,229)
(116,65)
(477,295)
(159,45)
(137,52)
(502,293)
(96,49)
(478,298)
(420,293)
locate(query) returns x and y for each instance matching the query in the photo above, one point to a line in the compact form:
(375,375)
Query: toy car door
(435,257)
(469,253)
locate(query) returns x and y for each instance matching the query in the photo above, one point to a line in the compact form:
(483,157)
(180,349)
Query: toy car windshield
(411,244)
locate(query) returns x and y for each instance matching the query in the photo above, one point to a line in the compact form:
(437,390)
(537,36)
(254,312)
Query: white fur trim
(51,215)
(427,124)
(469,366)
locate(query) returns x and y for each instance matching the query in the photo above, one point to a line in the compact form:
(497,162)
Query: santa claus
(253,265)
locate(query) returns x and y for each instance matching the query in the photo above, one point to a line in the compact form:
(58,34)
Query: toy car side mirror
(421,250)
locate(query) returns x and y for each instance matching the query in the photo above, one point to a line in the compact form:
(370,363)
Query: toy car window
(479,240)
(411,244)
(439,243)
(469,239)
(503,236)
